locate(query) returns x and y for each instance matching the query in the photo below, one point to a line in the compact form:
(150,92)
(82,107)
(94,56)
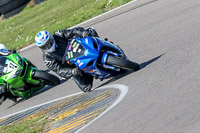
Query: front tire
(122,63)
(49,79)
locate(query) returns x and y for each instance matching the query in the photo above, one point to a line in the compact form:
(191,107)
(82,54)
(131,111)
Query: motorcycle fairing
(88,60)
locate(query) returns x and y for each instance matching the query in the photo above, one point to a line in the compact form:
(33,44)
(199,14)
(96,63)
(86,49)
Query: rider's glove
(92,32)
(13,51)
(76,71)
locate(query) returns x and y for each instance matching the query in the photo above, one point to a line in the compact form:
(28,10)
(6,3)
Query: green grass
(20,30)
(34,125)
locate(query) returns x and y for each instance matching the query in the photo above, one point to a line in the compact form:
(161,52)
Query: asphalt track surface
(164,96)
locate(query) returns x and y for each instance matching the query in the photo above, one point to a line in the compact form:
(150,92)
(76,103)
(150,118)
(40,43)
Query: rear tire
(49,78)
(122,63)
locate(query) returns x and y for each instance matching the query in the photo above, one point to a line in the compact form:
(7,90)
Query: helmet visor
(48,44)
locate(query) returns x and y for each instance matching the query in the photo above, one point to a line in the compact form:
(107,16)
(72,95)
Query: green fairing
(27,93)
(16,73)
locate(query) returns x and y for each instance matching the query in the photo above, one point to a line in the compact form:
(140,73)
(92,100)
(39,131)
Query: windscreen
(74,50)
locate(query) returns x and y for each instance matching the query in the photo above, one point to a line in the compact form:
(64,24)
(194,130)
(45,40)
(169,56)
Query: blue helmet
(45,41)
(3,50)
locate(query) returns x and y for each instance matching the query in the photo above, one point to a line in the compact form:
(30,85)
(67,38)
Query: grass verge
(35,125)
(20,30)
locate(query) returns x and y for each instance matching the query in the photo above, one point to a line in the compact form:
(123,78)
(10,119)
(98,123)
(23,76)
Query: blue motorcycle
(97,57)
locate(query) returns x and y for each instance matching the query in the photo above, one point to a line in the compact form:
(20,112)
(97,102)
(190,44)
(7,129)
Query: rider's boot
(84,82)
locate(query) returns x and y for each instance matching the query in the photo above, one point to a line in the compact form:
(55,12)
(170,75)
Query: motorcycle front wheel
(122,63)
(49,79)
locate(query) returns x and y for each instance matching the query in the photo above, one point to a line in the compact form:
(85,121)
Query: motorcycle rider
(4,94)
(54,46)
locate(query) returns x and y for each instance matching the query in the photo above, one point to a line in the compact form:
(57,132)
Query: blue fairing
(88,61)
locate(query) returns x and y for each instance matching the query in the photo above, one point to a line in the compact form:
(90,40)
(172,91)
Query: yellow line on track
(77,122)
(3,119)
(42,112)
(84,105)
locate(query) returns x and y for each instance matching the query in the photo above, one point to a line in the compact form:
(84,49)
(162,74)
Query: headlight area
(19,61)
(17,73)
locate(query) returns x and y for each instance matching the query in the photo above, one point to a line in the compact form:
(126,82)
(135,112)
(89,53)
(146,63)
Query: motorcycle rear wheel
(49,79)
(122,63)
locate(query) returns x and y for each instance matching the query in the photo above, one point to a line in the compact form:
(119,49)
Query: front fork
(104,59)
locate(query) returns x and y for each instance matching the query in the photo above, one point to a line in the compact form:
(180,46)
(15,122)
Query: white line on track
(32,45)
(122,88)
(41,104)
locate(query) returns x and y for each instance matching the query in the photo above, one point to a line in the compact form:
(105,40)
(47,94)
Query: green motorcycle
(22,78)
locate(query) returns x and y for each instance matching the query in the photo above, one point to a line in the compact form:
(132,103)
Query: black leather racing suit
(54,60)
